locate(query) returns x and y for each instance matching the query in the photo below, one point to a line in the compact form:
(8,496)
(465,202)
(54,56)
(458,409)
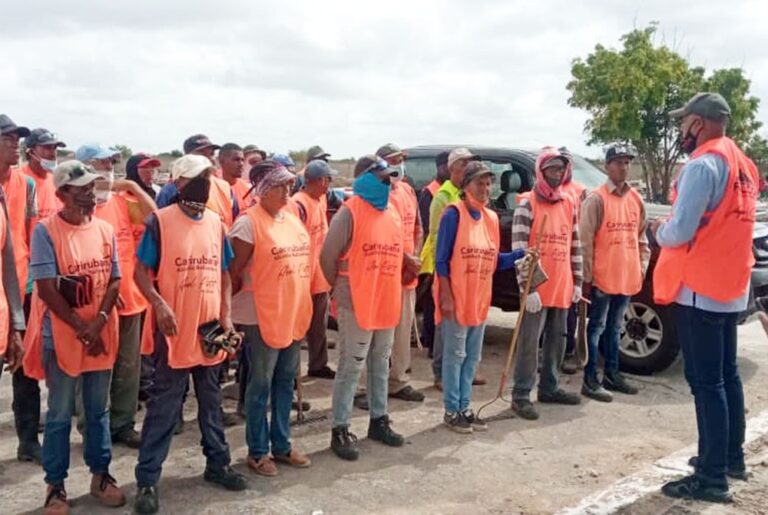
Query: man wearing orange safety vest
(704,269)
(547,307)
(186,250)
(616,254)
(232,163)
(362,258)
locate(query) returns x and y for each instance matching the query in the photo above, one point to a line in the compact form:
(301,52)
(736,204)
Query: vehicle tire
(647,343)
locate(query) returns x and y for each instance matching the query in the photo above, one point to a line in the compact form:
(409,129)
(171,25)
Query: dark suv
(648,341)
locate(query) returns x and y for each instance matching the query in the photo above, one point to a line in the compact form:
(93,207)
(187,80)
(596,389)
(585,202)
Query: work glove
(576,294)
(533,302)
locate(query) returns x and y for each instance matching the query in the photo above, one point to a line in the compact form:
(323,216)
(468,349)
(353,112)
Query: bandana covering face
(542,187)
(271,179)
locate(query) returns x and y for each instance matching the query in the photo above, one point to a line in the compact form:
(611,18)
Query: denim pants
(462,349)
(271,376)
(708,341)
(606,315)
(551,322)
(163,410)
(437,353)
(97,452)
(357,344)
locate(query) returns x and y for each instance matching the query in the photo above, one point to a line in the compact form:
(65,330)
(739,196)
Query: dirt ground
(516,467)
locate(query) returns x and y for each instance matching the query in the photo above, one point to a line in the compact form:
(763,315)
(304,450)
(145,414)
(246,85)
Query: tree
(629,92)
(298,156)
(125,152)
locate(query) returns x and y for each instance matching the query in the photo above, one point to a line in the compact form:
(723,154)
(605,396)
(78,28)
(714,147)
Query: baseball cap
(8,127)
(371,163)
(618,150)
(197,142)
(473,170)
(711,106)
(460,153)
(149,162)
(284,159)
(554,159)
(189,166)
(317,169)
(442,158)
(74,173)
(389,150)
(250,149)
(91,151)
(43,137)
(317,152)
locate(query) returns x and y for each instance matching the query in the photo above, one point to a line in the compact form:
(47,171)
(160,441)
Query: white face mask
(47,164)
(400,169)
(103,189)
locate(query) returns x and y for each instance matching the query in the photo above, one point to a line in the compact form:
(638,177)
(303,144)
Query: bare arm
(46,288)
(237,267)
(144,201)
(166,320)
(225,318)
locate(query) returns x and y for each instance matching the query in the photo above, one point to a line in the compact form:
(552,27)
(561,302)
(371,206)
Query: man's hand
(15,352)
(166,320)
(447,308)
(226,324)
(412,264)
(90,335)
(654,225)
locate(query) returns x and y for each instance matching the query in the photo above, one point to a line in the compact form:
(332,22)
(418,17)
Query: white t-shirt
(243,305)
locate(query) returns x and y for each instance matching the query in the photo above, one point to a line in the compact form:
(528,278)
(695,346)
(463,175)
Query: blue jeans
(606,315)
(708,341)
(462,349)
(164,407)
(58,420)
(357,348)
(271,374)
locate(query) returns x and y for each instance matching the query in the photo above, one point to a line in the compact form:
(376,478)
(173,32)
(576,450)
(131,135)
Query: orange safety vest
(317,226)
(432,187)
(576,192)
(47,202)
(16,202)
(80,250)
(557,292)
(375,263)
(5,315)
(220,200)
(718,261)
(280,277)
(243,198)
(616,263)
(403,199)
(115,212)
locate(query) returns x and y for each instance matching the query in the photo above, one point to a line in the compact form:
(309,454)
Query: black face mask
(195,194)
(688,141)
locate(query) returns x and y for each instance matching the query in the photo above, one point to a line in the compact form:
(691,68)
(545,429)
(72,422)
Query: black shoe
(615,381)
(559,397)
(457,422)
(477,423)
(594,390)
(179,427)
(30,454)
(305,406)
(691,487)
(408,394)
(324,373)
(230,419)
(146,501)
(344,443)
(732,472)
(226,477)
(524,409)
(361,402)
(128,437)
(380,430)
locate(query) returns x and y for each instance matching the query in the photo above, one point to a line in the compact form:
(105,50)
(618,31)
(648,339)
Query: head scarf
(542,187)
(132,173)
(568,176)
(266,175)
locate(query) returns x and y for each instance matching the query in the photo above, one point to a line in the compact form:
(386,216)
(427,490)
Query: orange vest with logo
(115,212)
(575,191)
(717,263)
(403,199)
(375,262)
(16,201)
(189,280)
(317,226)
(220,200)
(47,202)
(5,316)
(280,277)
(80,250)
(616,264)
(432,187)
(555,249)
(242,197)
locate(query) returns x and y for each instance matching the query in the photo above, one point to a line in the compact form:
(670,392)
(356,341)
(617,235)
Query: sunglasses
(380,166)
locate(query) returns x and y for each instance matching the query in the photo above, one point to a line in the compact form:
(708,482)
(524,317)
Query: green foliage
(125,152)
(299,156)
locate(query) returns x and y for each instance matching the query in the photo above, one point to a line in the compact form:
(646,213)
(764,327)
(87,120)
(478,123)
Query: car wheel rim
(642,332)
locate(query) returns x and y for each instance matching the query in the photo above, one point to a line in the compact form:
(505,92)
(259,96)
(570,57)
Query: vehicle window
(587,174)
(423,170)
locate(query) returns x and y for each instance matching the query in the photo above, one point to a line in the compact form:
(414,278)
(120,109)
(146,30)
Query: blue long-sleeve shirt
(446,239)
(700,188)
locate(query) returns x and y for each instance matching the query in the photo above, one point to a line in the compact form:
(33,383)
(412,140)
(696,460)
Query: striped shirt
(521,233)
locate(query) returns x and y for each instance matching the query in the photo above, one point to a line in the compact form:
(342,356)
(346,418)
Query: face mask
(372,190)
(195,193)
(46,164)
(688,142)
(400,169)
(103,189)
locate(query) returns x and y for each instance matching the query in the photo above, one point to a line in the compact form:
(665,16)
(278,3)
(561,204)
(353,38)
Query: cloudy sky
(346,75)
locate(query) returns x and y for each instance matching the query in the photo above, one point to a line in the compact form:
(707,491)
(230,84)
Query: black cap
(618,150)
(8,127)
(317,152)
(43,137)
(197,142)
(711,106)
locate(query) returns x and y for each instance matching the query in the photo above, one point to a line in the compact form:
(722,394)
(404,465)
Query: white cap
(73,173)
(189,166)
(458,154)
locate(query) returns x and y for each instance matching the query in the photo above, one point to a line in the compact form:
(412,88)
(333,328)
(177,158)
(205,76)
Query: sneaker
(477,423)
(294,459)
(56,501)
(615,381)
(226,477)
(179,427)
(380,430)
(344,443)
(30,454)
(146,501)
(739,473)
(408,394)
(691,487)
(594,390)
(524,409)
(457,423)
(230,419)
(104,488)
(361,401)
(559,397)
(128,437)
(324,373)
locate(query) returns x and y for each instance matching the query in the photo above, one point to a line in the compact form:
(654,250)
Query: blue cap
(284,160)
(91,151)
(317,169)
